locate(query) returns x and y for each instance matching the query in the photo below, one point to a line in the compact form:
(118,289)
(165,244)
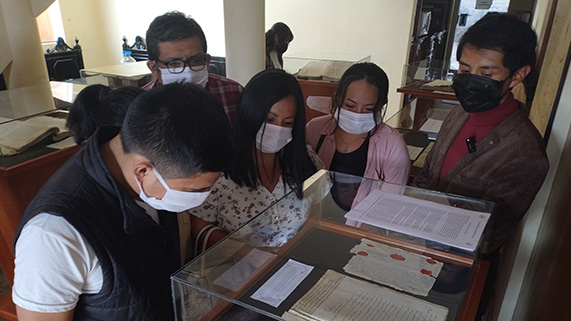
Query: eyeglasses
(177,66)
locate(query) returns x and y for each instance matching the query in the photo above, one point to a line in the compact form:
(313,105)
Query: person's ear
(520,75)
(142,171)
(208,58)
(154,69)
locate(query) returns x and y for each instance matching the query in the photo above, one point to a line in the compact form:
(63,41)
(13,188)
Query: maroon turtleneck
(477,126)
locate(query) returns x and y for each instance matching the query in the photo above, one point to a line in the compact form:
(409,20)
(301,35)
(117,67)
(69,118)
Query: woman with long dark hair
(270,160)
(353,139)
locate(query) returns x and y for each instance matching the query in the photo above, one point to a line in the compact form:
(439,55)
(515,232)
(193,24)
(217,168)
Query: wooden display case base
(7,307)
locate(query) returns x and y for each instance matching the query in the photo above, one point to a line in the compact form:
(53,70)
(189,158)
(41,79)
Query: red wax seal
(426,272)
(363,253)
(397,257)
(431,261)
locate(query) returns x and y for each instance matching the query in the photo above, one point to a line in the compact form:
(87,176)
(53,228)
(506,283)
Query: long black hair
(262,91)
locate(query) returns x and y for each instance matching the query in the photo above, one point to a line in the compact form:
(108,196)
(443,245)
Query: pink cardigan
(387,158)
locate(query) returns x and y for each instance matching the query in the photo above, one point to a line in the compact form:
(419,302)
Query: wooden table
(22,175)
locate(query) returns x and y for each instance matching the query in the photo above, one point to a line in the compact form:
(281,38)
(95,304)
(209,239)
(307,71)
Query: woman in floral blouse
(271,160)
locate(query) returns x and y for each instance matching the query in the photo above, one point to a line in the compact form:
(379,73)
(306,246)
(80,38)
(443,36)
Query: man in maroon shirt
(488,148)
(177,52)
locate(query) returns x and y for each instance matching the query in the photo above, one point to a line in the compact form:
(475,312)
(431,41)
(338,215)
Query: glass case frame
(323,241)
(24,103)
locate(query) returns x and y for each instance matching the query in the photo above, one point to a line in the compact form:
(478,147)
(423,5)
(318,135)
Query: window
(50,24)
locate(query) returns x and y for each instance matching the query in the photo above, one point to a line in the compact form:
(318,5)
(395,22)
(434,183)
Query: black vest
(136,254)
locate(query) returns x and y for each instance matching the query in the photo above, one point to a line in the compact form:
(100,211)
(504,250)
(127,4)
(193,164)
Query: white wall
(380,28)
(101,24)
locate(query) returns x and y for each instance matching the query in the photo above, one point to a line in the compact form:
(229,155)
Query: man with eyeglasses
(177,52)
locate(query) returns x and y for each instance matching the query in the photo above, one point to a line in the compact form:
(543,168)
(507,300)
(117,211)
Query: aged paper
(319,103)
(414,151)
(17,135)
(324,70)
(419,162)
(339,297)
(394,267)
(432,221)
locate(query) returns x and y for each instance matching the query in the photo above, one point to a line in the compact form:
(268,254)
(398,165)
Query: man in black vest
(100,241)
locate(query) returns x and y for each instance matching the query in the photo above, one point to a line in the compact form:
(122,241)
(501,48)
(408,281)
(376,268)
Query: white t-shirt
(54,265)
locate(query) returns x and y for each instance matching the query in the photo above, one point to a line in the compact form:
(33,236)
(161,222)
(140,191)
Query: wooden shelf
(414,89)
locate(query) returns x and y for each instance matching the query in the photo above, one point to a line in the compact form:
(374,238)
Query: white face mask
(173,200)
(199,78)
(274,138)
(355,123)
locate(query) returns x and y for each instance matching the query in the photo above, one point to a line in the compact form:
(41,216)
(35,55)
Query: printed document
(282,283)
(432,221)
(339,297)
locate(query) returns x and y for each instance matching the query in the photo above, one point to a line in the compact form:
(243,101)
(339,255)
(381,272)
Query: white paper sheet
(445,224)
(282,283)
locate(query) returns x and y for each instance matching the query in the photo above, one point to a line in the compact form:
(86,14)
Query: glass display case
(428,94)
(330,265)
(321,66)
(29,122)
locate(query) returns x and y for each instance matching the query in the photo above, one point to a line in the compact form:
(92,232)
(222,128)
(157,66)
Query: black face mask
(477,93)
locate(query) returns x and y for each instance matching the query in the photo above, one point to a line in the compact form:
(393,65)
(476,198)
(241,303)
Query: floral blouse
(231,206)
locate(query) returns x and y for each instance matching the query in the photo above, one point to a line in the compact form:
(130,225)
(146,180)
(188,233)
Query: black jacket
(136,254)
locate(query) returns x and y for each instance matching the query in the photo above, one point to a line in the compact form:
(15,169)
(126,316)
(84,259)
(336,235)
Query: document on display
(446,224)
(339,297)
(397,268)
(282,283)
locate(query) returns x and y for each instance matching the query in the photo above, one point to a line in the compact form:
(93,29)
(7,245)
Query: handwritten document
(397,268)
(339,297)
(437,222)
(282,283)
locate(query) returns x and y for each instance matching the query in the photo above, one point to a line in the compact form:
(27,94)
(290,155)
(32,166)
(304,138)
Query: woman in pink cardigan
(353,139)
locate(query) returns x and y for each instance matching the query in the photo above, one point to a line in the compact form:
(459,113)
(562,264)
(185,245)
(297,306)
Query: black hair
(283,32)
(181,129)
(172,26)
(508,34)
(96,106)
(373,75)
(82,118)
(116,103)
(262,91)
